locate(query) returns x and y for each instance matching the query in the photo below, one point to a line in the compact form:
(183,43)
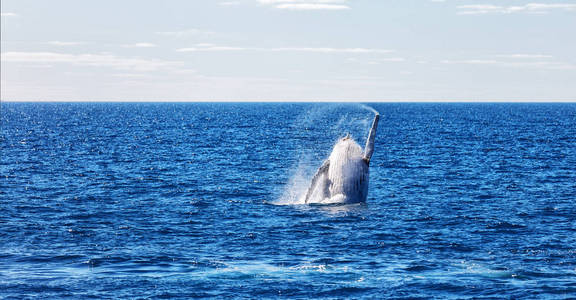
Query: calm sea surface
(151,200)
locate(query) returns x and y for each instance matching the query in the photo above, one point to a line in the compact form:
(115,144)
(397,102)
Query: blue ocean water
(161,200)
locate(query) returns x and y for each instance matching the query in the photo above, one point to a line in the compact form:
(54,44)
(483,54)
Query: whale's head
(346,149)
(347,137)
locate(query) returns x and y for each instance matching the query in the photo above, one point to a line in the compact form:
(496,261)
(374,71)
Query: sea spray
(297,184)
(369,108)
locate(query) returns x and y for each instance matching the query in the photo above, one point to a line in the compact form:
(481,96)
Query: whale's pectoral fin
(321,174)
(369,148)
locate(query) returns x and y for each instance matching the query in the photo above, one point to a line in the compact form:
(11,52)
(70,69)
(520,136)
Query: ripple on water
(182,200)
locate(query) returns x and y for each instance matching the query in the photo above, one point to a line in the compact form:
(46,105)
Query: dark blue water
(181,200)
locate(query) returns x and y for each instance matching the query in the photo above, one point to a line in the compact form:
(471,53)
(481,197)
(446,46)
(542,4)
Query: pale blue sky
(289,50)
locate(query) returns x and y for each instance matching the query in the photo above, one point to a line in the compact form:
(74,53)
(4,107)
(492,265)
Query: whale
(343,177)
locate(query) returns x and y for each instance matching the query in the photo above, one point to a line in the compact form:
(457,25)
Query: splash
(369,108)
(293,193)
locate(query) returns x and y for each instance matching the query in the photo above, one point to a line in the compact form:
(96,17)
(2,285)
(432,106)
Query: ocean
(169,200)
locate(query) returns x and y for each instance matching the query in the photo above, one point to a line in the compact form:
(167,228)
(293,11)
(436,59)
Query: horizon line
(290,101)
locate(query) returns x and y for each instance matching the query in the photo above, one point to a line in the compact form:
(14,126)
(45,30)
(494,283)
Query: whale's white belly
(348,173)
(346,179)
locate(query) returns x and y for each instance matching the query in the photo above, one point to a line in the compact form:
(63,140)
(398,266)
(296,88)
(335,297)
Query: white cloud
(392,59)
(526,56)
(307,4)
(95,60)
(311,6)
(130,75)
(205,45)
(471,61)
(60,43)
(538,64)
(229,3)
(210,47)
(185,33)
(302,1)
(378,61)
(530,8)
(8,14)
(330,50)
(140,45)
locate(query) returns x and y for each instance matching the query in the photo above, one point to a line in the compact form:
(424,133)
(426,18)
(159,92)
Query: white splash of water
(369,108)
(355,126)
(296,187)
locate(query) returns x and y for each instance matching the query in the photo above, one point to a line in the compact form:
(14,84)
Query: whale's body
(344,176)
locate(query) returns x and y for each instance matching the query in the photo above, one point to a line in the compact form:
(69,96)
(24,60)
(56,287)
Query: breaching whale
(343,177)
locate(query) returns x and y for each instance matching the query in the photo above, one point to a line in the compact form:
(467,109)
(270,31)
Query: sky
(288,50)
